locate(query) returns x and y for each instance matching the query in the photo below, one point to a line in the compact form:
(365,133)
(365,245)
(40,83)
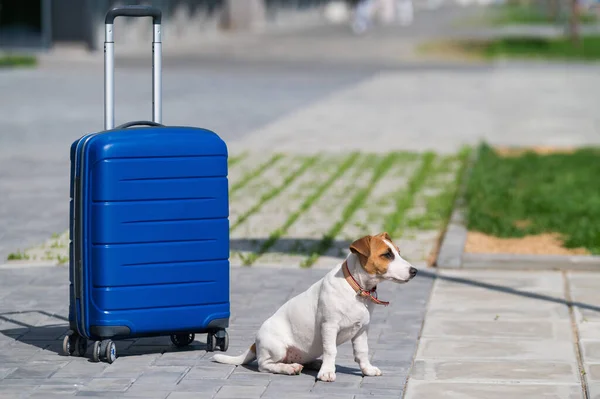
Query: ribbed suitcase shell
(149,233)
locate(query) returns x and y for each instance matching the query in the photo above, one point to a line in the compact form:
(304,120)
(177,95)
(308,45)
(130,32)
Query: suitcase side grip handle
(134,11)
(138,123)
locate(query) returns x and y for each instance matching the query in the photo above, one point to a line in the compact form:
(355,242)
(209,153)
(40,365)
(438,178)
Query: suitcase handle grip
(138,123)
(109,61)
(134,11)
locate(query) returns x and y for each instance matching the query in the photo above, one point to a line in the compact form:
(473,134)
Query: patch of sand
(541,244)
(541,150)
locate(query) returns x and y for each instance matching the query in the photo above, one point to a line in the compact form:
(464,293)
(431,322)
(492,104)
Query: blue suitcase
(149,226)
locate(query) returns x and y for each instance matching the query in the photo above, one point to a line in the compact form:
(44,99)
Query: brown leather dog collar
(356,287)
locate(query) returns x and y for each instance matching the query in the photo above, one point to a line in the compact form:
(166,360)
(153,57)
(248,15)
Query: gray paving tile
(79,369)
(433,390)
(235,392)
(190,395)
(465,370)
(4,371)
(380,391)
(591,350)
(206,371)
(121,395)
(108,384)
(162,375)
(15,392)
(593,372)
(594,390)
(36,370)
(117,370)
(514,349)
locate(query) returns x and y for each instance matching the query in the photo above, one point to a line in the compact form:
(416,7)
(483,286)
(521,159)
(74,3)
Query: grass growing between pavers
(276,190)
(380,167)
(304,207)
(447,180)
(531,193)
(235,159)
(252,174)
(345,200)
(405,198)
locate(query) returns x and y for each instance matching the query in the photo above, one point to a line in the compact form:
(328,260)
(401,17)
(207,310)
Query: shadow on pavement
(42,337)
(291,246)
(508,290)
(49,337)
(253,366)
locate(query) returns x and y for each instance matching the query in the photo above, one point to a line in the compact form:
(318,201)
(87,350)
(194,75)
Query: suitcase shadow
(49,336)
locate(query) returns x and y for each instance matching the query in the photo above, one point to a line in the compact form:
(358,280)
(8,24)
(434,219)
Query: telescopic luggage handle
(109,61)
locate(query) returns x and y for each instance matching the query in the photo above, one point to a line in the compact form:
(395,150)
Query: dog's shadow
(253,366)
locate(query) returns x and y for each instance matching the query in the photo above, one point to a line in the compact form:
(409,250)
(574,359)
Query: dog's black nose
(413,272)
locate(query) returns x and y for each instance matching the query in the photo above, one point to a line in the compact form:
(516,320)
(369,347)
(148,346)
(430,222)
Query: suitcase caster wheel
(81,346)
(223,342)
(181,340)
(111,352)
(96,352)
(105,350)
(69,344)
(211,342)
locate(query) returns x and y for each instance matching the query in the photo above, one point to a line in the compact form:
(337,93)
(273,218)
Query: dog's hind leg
(279,360)
(280,368)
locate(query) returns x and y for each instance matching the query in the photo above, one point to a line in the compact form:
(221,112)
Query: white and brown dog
(335,309)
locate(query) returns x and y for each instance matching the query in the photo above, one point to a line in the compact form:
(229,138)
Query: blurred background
(294,76)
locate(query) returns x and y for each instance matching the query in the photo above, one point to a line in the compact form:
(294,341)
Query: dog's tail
(244,358)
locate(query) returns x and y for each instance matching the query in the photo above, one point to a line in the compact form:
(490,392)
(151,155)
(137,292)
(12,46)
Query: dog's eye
(389,255)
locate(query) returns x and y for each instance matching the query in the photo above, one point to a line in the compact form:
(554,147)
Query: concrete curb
(455,236)
(452,255)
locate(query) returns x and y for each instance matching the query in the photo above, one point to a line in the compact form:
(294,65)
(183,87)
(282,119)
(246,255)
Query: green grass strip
(439,207)
(275,191)
(10,60)
(530,193)
(248,177)
(406,197)
(359,198)
(305,206)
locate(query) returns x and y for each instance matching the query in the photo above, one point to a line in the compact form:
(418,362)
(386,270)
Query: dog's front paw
(326,375)
(371,371)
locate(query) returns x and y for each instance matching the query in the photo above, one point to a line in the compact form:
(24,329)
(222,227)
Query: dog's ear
(362,246)
(384,235)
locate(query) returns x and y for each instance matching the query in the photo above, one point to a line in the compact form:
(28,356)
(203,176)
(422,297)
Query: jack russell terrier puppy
(335,309)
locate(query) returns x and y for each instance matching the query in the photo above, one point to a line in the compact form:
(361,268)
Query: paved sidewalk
(495,334)
(442,110)
(33,309)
